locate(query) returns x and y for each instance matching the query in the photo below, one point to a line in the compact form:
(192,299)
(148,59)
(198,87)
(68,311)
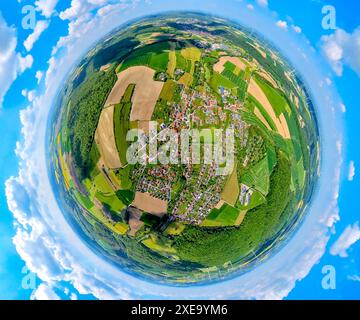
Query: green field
(126,196)
(218,80)
(252,100)
(155,56)
(231,190)
(111,201)
(122,123)
(277,101)
(223,217)
(258,176)
(168,91)
(182,63)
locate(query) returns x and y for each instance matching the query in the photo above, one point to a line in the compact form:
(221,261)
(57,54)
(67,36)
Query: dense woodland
(84,113)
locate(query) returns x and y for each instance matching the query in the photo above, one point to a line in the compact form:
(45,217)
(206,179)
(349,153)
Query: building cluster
(158,182)
(245,195)
(200,195)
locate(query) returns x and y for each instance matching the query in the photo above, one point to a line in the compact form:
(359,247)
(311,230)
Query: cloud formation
(12,63)
(350,236)
(282,24)
(262,3)
(40,27)
(351,173)
(30,95)
(46,7)
(39,75)
(44,292)
(297,29)
(342,48)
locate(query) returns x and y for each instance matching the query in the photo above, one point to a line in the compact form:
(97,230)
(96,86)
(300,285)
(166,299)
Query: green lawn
(258,176)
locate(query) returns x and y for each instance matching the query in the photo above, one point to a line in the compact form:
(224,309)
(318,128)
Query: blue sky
(31,75)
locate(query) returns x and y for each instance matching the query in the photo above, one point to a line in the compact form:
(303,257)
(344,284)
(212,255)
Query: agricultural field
(161,220)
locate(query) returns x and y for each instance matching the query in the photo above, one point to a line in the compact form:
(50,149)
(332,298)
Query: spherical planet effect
(184,149)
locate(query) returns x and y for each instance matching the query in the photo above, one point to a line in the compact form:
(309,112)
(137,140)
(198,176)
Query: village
(200,191)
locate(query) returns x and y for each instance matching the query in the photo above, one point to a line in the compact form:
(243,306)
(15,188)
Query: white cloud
(51,70)
(342,107)
(73,296)
(262,3)
(297,29)
(40,27)
(25,62)
(44,292)
(342,48)
(84,15)
(354,278)
(328,81)
(55,252)
(351,173)
(250,6)
(349,237)
(39,75)
(80,7)
(12,64)
(282,24)
(30,95)
(46,7)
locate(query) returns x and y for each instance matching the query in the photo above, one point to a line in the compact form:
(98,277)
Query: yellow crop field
(186,79)
(172,63)
(231,191)
(153,244)
(65,171)
(121,227)
(193,54)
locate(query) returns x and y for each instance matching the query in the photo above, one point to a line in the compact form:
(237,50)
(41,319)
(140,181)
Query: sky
(38,258)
